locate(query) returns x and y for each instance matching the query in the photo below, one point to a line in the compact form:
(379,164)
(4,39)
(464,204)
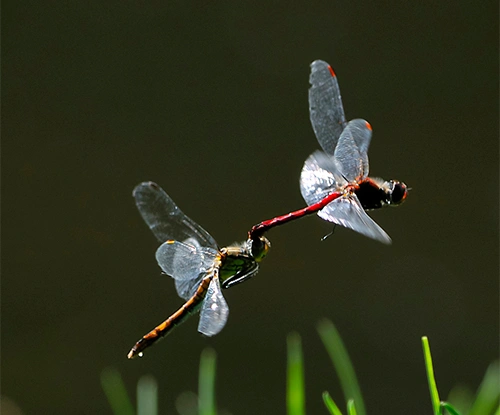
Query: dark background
(209,99)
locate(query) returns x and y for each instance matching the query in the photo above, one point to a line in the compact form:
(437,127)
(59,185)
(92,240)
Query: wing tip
(386,241)
(144,185)
(319,64)
(332,72)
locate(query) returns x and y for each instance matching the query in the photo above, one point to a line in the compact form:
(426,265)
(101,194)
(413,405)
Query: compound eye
(398,193)
(259,248)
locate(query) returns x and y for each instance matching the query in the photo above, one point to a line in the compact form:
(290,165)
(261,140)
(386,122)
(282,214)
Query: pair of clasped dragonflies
(334,183)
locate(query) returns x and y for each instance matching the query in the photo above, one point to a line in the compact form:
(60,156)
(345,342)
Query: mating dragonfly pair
(334,183)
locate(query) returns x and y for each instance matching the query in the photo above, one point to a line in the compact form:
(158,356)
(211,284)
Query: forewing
(165,219)
(352,150)
(214,311)
(186,263)
(325,106)
(320,176)
(347,211)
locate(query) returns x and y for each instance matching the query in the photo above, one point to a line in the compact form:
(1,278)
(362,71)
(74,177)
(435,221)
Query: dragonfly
(334,182)
(191,256)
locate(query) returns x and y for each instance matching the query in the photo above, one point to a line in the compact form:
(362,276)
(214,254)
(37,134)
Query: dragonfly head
(397,192)
(258,247)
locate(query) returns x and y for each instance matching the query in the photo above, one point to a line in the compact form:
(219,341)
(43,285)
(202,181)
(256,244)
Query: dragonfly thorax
(375,193)
(241,262)
(237,265)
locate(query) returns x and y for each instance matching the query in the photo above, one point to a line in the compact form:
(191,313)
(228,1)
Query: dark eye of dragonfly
(259,247)
(398,192)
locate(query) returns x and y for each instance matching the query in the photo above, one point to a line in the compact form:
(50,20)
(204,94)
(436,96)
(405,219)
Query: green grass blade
(351,408)
(343,366)
(114,389)
(206,383)
(295,395)
(330,404)
(488,394)
(147,396)
(436,402)
(451,410)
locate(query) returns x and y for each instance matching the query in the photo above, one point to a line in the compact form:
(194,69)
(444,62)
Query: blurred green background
(209,99)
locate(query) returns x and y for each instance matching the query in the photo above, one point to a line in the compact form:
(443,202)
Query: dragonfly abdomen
(189,307)
(259,229)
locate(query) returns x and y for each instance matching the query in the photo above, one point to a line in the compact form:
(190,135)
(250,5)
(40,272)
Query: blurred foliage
(295,394)
(484,402)
(343,366)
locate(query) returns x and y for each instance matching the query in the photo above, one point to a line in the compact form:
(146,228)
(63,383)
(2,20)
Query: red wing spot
(368,126)
(331,71)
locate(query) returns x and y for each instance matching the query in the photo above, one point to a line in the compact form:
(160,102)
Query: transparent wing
(325,106)
(165,219)
(214,311)
(352,150)
(347,211)
(186,263)
(320,176)
(187,287)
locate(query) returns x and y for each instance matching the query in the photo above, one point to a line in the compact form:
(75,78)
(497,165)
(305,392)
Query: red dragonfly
(334,182)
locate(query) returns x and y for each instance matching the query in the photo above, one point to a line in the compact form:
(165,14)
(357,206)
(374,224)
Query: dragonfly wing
(214,311)
(352,150)
(165,219)
(325,106)
(187,287)
(347,211)
(186,263)
(320,176)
